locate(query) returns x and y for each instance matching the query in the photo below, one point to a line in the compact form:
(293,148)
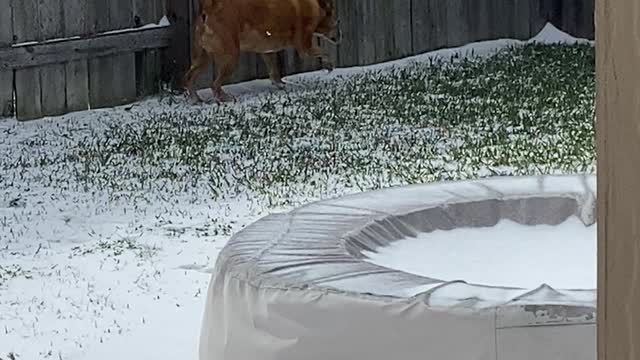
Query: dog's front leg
(271,61)
(309,49)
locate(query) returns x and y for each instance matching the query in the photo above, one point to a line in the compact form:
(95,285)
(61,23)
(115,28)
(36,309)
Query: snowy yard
(110,220)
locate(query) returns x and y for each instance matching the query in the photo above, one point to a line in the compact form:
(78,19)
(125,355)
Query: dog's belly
(264,41)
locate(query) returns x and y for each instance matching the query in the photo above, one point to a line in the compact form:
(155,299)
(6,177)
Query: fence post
(77,72)
(112,78)
(178,57)
(147,67)
(618,147)
(52,77)
(26,27)
(6,77)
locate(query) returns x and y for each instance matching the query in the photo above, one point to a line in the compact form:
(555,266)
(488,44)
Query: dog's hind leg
(224,49)
(199,61)
(271,61)
(225,65)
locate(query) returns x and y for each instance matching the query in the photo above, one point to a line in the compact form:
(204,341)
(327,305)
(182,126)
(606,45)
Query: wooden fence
(58,56)
(101,70)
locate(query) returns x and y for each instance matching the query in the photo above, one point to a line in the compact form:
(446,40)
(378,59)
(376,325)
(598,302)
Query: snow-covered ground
(469,254)
(89,274)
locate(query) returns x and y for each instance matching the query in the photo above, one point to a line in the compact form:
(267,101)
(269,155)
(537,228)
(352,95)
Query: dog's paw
(223,97)
(280,85)
(194,100)
(328,65)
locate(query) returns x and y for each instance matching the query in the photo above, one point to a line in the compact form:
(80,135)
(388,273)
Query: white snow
(162,23)
(508,254)
(552,35)
(101,278)
(26,43)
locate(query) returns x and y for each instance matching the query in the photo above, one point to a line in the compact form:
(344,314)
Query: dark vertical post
(178,57)
(6,76)
(618,147)
(26,27)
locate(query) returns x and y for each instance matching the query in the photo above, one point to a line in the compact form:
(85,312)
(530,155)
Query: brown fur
(225,28)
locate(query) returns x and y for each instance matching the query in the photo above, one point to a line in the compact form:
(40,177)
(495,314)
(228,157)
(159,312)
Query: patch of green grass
(215,227)
(525,110)
(115,248)
(11,356)
(13,271)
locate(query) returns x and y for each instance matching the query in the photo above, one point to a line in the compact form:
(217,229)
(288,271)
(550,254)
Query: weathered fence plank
(291,62)
(501,19)
(160,8)
(347,52)
(421,25)
(6,76)
(77,71)
(261,68)
(124,68)
(52,77)
(478,17)
(160,55)
(381,22)
(393,19)
(577,17)
(32,55)
(26,27)
(438,36)
(537,18)
(588,19)
(100,79)
(144,13)
(457,23)
(570,14)
(554,10)
(160,12)
(367,32)
(107,74)
(112,79)
(247,68)
(508,19)
(402,43)
(147,61)
(522,19)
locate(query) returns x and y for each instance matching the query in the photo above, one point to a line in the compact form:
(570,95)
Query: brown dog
(225,28)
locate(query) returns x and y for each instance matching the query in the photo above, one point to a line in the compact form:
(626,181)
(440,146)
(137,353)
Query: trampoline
(323,281)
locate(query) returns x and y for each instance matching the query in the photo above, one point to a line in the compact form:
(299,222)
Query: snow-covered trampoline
(309,284)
